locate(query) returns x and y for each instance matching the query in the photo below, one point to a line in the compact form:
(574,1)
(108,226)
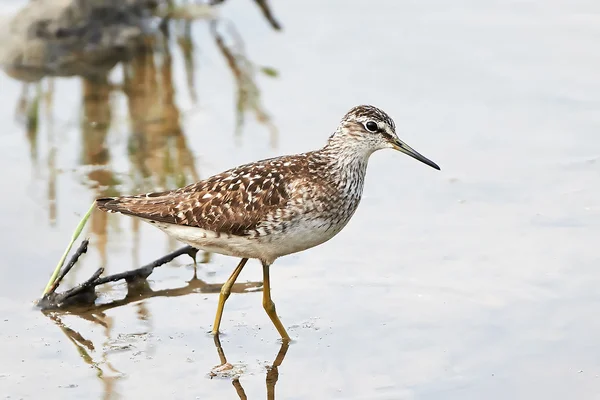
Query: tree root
(84,294)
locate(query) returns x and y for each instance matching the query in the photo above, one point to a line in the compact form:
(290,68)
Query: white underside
(266,248)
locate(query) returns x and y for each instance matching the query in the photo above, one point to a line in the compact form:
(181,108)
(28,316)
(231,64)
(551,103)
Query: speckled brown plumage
(235,202)
(273,207)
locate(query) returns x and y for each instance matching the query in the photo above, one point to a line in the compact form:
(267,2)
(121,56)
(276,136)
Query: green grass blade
(68,249)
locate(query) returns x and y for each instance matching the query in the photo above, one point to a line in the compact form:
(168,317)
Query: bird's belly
(214,242)
(301,236)
(297,237)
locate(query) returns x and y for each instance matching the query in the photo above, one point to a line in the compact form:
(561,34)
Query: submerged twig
(85,294)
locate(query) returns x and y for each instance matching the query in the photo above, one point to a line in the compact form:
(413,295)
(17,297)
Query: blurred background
(479,281)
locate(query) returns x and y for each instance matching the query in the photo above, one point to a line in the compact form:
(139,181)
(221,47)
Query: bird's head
(369,129)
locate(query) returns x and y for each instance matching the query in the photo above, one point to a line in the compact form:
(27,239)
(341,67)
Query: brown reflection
(158,151)
(272,371)
(53,142)
(140,290)
(97,359)
(97,355)
(264,7)
(95,125)
(27,112)
(186,45)
(157,146)
(248,93)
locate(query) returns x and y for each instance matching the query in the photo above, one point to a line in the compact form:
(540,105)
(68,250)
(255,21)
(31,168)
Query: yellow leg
(269,306)
(225,292)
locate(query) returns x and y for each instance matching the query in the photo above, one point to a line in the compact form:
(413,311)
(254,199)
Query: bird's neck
(348,165)
(343,154)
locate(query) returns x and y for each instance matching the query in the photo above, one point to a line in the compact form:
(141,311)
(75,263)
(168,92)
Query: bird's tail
(151,207)
(108,204)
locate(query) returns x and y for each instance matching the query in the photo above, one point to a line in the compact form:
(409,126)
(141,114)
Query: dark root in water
(84,294)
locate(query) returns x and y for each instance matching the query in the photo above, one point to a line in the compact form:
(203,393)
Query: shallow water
(479,281)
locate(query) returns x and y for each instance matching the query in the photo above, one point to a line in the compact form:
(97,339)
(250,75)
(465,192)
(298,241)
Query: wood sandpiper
(274,207)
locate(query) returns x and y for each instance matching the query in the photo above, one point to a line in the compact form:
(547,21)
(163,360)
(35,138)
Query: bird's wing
(234,202)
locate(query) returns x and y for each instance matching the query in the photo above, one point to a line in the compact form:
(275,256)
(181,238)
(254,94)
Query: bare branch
(85,293)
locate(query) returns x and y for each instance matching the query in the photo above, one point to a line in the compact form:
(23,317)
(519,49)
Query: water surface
(479,281)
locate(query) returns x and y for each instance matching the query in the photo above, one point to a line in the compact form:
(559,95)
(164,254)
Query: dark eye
(371,126)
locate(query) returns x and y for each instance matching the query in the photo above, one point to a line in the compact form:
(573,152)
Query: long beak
(406,149)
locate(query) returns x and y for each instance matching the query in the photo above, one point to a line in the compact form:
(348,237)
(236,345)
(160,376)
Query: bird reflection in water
(97,355)
(226,369)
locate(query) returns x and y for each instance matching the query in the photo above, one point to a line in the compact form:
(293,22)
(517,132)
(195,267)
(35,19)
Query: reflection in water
(264,7)
(29,112)
(55,42)
(186,45)
(158,150)
(97,356)
(138,290)
(89,39)
(225,369)
(67,38)
(157,146)
(105,371)
(95,124)
(53,150)
(248,93)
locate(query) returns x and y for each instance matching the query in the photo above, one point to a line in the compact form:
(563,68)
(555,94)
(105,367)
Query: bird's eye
(371,126)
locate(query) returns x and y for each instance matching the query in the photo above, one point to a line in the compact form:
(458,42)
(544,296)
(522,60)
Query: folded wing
(234,202)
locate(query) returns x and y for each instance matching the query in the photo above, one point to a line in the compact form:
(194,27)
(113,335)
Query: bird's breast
(317,222)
